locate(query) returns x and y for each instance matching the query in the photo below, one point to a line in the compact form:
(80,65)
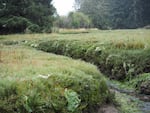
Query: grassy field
(139,35)
(34,81)
(24,71)
(23,62)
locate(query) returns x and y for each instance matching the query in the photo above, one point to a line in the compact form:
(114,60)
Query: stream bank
(143,101)
(116,63)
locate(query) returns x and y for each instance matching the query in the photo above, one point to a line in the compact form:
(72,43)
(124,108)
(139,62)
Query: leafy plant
(72,99)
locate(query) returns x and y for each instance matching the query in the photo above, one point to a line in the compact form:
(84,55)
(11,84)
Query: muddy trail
(142,99)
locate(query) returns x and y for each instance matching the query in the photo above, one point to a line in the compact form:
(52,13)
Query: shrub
(14,25)
(33,28)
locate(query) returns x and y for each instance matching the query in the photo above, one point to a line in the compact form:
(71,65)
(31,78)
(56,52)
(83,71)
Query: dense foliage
(73,20)
(108,14)
(17,16)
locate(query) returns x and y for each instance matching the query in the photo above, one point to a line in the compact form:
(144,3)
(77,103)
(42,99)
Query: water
(145,107)
(144,100)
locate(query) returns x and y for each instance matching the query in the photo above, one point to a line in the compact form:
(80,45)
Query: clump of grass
(129,45)
(119,44)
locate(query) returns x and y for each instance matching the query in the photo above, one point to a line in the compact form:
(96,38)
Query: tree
(79,20)
(145,11)
(116,13)
(73,20)
(98,11)
(28,13)
(62,22)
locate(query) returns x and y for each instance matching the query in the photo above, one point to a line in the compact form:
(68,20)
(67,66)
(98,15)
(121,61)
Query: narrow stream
(143,100)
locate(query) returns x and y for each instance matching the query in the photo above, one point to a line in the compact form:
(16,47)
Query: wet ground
(143,100)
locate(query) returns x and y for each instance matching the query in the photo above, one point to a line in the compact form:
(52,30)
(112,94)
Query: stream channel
(143,100)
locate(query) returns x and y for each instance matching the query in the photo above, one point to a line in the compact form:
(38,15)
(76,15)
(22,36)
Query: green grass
(21,83)
(128,103)
(119,64)
(103,36)
(34,81)
(18,59)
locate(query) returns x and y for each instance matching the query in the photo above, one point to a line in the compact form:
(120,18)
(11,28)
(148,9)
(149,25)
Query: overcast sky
(63,6)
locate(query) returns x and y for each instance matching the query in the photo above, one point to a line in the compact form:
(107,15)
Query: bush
(14,25)
(33,28)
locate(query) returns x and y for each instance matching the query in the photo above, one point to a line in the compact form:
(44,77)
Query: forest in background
(116,14)
(19,16)
(37,16)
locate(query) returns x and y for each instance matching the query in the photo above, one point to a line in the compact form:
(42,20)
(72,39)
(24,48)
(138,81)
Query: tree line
(116,14)
(73,20)
(19,16)
(31,16)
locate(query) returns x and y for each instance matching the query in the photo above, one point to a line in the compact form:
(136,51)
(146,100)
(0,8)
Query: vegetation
(139,82)
(31,15)
(116,14)
(33,81)
(120,60)
(36,16)
(126,105)
(28,72)
(116,64)
(73,20)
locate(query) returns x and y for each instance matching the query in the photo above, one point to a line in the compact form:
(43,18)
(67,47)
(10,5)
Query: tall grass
(139,35)
(34,81)
(117,62)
